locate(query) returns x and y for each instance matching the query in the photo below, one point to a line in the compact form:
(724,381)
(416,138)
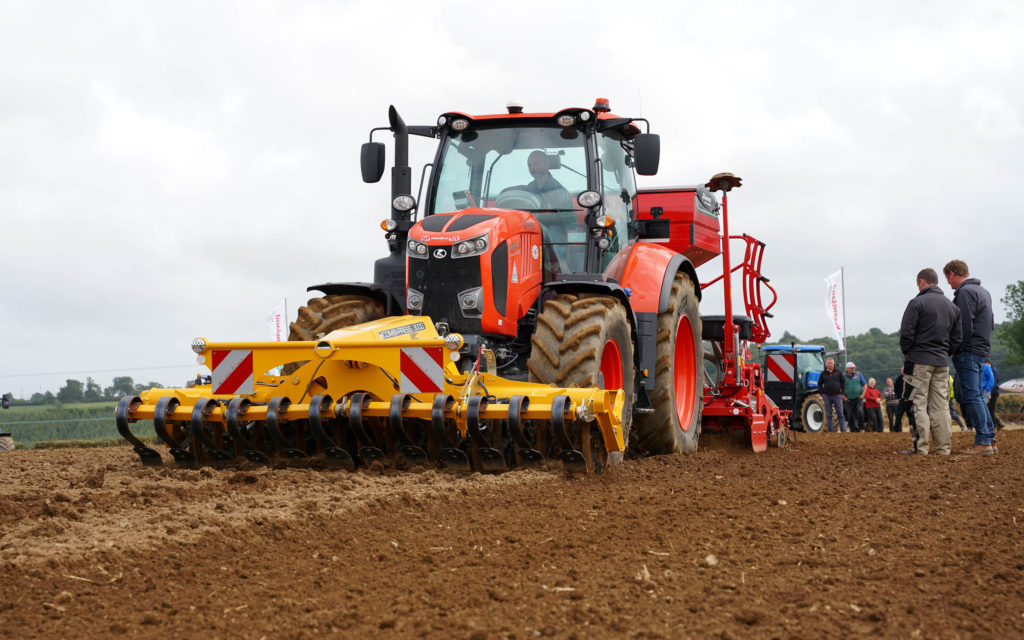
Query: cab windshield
(538,169)
(534,169)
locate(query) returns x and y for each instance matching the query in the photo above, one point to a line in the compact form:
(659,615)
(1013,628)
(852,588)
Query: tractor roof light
(403,202)
(460,125)
(199,345)
(566,120)
(589,199)
(388,225)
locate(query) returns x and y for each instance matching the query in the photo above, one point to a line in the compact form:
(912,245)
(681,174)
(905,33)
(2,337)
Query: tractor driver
(552,194)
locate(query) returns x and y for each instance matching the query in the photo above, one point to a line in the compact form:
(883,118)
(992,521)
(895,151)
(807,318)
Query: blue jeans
(834,402)
(968,371)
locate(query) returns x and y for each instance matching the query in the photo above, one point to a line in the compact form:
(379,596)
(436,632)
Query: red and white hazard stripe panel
(422,370)
(781,367)
(232,371)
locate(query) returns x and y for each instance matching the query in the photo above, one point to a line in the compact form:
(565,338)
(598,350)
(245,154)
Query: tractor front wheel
(586,341)
(812,414)
(678,397)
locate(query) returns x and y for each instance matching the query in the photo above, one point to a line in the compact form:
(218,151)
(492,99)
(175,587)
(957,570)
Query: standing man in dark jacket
(929,333)
(830,385)
(976,320)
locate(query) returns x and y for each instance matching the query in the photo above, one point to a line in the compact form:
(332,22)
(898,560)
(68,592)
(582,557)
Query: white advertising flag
(277,322)
(834,306)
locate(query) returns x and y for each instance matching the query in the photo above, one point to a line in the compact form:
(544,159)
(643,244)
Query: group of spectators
(933,330)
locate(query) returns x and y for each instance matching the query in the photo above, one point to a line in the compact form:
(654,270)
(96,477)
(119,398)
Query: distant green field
(79,421)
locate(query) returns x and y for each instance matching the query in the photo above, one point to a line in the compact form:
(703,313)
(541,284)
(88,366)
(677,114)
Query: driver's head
(538,164)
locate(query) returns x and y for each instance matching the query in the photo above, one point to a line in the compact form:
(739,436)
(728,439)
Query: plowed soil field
(838,536)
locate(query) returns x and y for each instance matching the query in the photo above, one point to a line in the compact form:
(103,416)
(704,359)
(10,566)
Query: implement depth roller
(400,400)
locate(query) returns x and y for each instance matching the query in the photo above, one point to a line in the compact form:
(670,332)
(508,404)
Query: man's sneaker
(983,449)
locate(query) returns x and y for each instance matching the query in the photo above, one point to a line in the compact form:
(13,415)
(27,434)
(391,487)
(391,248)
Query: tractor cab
(572,172)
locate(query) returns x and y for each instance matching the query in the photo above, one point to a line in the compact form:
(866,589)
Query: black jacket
(930,331)
(831,384)
(976,319)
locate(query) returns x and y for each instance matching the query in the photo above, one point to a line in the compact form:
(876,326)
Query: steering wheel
(518,198)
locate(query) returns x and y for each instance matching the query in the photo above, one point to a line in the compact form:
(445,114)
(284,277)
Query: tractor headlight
(460,124)
(472,247)
(413,300)
(566,120)
(471,302)
(403,203)
(589,199)
(199,345)
(417,249)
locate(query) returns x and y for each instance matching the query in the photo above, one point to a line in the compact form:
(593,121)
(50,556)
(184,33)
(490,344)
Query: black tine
(528,455)
(490,458)
(150,457)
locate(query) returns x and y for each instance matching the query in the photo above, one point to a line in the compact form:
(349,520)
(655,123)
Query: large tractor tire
(678,397)
(6,443)
(812,414)
(585,341)
(323,315)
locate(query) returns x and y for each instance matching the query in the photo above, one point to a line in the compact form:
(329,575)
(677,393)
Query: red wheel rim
(684,363)
(611,366)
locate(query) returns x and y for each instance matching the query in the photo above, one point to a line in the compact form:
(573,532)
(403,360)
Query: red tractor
(532,240)
(535,305)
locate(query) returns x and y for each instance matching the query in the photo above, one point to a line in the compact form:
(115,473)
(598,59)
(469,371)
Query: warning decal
(232,371)
(780,367)
(422,370)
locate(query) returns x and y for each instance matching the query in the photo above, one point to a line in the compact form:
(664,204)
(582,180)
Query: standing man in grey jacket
(929,333)
(976,319)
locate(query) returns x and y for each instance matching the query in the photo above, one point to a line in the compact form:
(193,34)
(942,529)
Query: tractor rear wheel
(812,413)
(321,316)
(678,396)
(585,341)
(6,443)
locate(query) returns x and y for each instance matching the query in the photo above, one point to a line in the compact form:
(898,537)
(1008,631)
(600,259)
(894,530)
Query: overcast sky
(175,169)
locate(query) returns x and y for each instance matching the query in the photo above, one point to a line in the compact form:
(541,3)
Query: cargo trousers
(929,395)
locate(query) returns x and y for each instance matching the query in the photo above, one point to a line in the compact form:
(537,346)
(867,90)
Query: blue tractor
(791,381)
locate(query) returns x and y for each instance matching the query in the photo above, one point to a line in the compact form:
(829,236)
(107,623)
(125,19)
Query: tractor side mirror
(647,151)
(371,161)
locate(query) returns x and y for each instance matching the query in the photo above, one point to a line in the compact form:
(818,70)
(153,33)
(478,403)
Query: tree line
(90,391)
(877,354)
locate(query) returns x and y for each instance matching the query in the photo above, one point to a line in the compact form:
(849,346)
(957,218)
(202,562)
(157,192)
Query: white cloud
(168,170)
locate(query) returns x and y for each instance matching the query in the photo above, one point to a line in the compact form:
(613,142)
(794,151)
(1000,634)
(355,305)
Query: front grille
(440,280)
